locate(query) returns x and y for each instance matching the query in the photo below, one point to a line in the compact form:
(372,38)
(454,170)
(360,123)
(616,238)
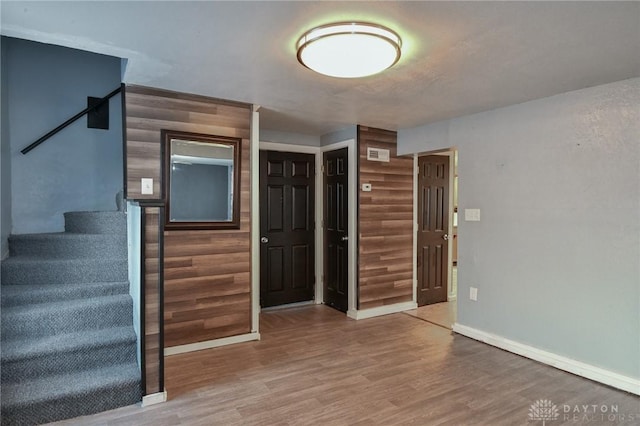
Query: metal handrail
(71,120)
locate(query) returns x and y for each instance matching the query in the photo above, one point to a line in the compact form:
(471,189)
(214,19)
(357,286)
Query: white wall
(556,255)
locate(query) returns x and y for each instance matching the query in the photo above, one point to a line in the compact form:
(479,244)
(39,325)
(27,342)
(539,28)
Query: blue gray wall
(347,133)
(77,169)
(555,254)
(288,137)
(5,159)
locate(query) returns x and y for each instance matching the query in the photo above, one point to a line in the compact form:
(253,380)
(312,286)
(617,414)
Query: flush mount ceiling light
(349,49)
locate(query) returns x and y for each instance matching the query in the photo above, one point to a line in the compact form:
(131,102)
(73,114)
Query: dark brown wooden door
(336,229)
(287,243)
(433,226)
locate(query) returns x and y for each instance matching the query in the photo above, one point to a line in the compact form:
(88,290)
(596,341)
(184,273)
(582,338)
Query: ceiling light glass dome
(349,49)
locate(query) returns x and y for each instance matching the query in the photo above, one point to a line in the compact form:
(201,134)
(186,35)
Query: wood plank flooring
(314,366)
(442,314)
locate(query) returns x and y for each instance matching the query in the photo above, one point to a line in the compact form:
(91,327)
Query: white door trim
(352,247)
(315,150)
(450,153)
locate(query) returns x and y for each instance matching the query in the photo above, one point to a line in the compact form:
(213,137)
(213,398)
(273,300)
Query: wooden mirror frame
(236,143)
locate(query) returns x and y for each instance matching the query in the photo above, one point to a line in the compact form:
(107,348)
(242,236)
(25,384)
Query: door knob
(345,238)
(264,240)
(445,237)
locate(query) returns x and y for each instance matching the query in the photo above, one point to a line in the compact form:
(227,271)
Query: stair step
(63,396)
(21,270)
(49,319)
(65,245)
(15,295)
(68,343)
(114,222)
(64,353)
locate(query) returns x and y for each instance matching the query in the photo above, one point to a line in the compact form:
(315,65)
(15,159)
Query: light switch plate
(473,293)
(146,186)
(472,215)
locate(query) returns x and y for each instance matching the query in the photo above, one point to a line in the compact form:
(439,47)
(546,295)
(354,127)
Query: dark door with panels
(287,243)
(433,228)
(336,229)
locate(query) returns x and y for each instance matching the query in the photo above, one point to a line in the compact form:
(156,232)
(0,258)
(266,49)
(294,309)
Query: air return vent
(378,154)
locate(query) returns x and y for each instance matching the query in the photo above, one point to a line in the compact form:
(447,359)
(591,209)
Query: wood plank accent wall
(207,281)
(207,272)
(385,223)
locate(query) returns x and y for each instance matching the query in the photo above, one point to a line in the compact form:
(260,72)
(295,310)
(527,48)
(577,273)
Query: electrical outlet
(146,186)
(472,215)
(473,293)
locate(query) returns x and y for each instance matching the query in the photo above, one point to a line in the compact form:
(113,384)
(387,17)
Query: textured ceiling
(458,57)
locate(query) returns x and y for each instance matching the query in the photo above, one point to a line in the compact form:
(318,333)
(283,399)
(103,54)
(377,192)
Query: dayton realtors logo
(600,413)
(546,411)
(543,409)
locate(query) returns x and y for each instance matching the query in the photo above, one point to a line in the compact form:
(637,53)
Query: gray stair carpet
(68,343)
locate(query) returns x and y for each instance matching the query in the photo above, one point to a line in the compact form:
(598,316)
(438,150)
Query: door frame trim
(352,247)
(445,152)
(317,217)
(318,151)
(255,218)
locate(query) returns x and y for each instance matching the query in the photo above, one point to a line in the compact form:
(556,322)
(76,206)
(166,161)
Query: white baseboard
(191,347)
(609,378)
(154,398)
(381,310)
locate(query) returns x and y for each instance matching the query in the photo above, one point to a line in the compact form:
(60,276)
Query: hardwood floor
(314,366)
(442,314)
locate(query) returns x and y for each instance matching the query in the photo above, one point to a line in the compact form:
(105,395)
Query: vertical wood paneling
(385,223)
(207,292)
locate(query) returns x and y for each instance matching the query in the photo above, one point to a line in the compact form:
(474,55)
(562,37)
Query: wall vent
(378,154)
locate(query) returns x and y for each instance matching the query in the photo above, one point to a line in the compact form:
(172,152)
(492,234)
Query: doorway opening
(287,228)
(437,237)
(335,172)
(316,209)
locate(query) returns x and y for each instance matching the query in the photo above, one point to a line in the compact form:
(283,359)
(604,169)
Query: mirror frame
(236,143)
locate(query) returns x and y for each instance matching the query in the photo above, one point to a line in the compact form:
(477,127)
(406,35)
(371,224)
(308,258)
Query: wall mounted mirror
(201,181)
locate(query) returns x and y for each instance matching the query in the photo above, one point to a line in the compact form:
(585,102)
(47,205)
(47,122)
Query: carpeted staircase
(68,346)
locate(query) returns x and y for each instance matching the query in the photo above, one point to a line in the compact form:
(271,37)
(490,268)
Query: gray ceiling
(458,57)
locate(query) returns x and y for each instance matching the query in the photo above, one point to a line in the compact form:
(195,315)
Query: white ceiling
(458,57)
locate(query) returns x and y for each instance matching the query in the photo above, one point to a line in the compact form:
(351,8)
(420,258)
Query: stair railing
(87,110)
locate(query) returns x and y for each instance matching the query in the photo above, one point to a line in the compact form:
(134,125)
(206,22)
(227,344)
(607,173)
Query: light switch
(366,187)
(472,215)
(147,186)
(473,293)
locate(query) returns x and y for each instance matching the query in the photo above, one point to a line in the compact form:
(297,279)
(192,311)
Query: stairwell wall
(5,159)
(78,168)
